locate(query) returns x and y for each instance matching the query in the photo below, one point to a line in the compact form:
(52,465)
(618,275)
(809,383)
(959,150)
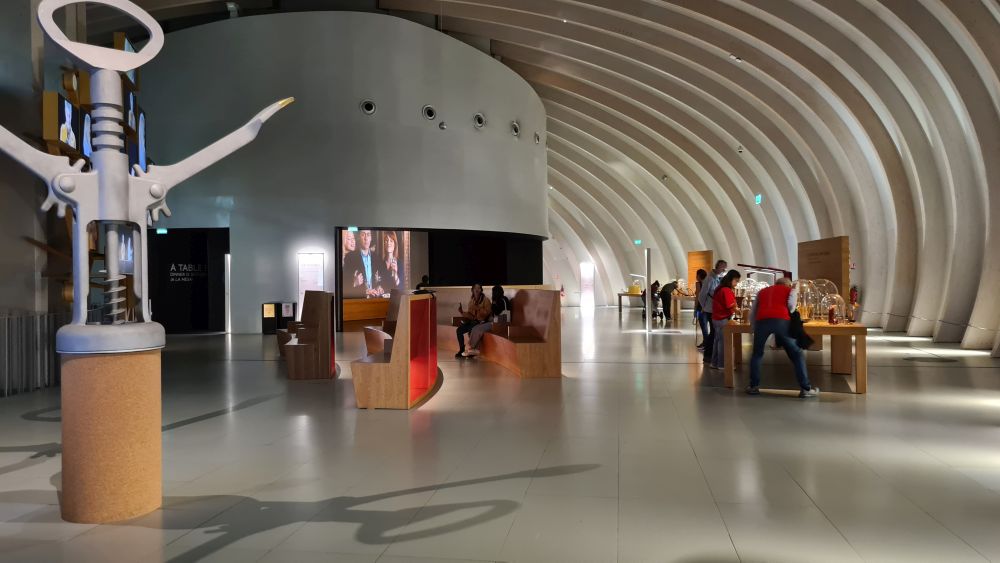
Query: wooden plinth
(111,445)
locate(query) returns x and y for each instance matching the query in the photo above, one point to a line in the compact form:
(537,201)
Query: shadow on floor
(52,449)
(375,526)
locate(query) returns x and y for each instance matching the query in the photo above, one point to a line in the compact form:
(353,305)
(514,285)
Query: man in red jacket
(769,315)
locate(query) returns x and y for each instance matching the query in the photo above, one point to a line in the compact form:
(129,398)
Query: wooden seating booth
(400,368)
(308,345)
(530,345)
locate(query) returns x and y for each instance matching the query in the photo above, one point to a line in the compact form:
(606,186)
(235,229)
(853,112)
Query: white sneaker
(811,392)
(473,352)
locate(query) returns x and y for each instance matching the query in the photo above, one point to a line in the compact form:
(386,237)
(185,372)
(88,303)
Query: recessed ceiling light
(564,21)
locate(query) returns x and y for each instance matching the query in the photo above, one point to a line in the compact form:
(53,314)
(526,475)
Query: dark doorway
(187,279)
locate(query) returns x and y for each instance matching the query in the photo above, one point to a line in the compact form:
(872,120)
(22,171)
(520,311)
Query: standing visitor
(705,298)
(700,315)
(723,308)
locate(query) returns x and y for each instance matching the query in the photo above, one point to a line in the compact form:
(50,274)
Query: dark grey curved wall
(322,163)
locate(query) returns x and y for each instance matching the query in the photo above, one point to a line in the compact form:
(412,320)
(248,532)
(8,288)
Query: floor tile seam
(854,548)
(915,504)
(718,509)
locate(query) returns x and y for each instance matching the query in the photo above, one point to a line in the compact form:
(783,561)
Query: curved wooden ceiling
(877,119)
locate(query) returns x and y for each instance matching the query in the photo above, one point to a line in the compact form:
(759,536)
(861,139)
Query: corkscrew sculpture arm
(107,195)
(161,179)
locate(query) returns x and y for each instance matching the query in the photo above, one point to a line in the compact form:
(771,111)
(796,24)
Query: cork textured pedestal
(111,444)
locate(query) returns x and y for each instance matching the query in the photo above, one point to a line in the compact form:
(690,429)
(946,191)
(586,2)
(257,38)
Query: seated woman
(500,311)
(478,311)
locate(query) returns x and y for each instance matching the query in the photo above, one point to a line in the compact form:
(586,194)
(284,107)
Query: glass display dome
(834,308)
(808,299)
(826,287)
(746,292)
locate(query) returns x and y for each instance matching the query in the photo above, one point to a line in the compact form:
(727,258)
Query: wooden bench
(530,345)
(399,370)
(308,345)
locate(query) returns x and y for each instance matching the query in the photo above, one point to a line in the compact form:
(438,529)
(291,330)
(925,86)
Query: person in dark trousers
(700,315)
(666,298)
(770,314)
(478,311)
(705,298)
(500,312)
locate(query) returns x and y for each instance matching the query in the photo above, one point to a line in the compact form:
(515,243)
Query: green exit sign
(637,241)
(758,199)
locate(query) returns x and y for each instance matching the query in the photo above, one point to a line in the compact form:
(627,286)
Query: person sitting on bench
(500,311)
(478,311)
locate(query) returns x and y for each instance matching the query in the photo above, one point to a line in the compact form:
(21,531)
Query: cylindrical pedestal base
(111,444)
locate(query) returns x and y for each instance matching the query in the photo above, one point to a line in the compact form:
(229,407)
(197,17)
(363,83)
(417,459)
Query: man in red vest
(770,314)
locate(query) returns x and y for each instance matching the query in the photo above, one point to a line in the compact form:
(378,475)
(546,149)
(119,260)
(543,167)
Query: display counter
(375,309)
(841,353)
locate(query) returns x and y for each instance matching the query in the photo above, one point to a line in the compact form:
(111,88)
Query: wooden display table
(375,308)
(675,304)
(626,294)
(840,349)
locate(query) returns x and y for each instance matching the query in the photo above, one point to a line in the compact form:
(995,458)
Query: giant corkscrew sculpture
(111,368)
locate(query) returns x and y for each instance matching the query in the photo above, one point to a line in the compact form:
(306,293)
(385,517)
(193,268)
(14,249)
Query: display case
(807,299)
(834,308)
(826,287)
(746,291)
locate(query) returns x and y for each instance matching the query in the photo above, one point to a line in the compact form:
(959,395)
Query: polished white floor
(635,455)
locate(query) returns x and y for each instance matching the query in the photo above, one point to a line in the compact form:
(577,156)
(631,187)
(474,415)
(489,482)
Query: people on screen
(360,268)
(771,314)
(478,311)
(389,275)
(500,312)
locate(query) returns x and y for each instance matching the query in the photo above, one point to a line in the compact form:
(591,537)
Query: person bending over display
(666,298)
(500,311)
(723,308)
(478,311)
(771,314)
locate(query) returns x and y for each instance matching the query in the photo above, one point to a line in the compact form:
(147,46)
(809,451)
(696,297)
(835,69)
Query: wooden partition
(308,345)
(829,259)
(699,260)
(399,370)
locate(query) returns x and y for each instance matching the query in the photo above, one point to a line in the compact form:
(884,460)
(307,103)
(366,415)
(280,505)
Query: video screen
(68,124)
(88,149)
(374,262)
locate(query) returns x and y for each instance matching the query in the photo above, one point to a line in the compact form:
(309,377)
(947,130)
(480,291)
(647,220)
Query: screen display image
(68,128)
(88,149)
(130,111)
(374,262)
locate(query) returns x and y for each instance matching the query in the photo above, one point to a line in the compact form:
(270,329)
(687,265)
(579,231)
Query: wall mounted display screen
(85,141)
(312,268)
(61,122)
(374,262)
